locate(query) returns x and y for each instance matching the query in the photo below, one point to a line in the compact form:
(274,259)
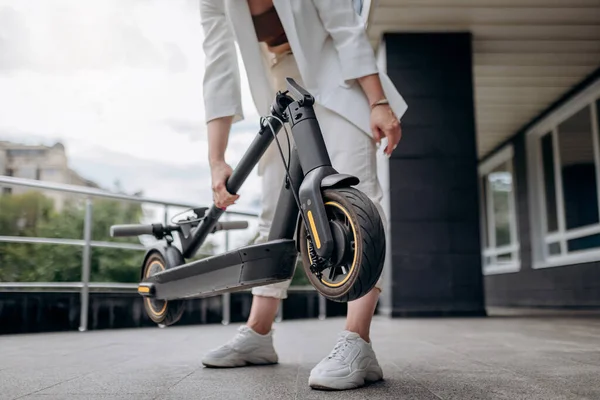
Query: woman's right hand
(220,172)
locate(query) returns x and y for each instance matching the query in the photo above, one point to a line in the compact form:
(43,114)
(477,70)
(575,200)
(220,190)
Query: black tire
(367,255)
(161,312)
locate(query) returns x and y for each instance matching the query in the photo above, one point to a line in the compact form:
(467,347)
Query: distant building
(44,163)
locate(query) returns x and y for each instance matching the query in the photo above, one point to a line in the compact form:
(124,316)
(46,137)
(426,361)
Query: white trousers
(350,149)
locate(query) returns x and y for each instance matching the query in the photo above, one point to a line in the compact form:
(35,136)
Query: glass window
(500,181)
(554,248)
(498,214)
(549,182)
(584,243)
(578,170)
(484,206)
(568,185)
(25,152)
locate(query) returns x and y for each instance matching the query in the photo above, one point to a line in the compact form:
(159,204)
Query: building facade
(493,196)
(44,163)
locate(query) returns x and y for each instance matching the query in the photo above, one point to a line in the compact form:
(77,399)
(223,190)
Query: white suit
(330,50)
(329,44)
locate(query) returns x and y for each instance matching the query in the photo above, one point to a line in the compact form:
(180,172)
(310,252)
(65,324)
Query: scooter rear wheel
(357,261)
(162,312)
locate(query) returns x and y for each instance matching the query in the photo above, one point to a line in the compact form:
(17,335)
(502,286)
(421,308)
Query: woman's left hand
(384,123)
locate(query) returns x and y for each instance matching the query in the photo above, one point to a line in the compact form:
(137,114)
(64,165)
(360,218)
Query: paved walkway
(506,357)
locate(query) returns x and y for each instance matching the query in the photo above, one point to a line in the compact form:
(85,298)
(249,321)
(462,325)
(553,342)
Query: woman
(323,46)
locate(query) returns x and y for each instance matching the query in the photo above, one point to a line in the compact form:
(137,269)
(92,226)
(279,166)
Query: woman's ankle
(362,332)
(260,327)
(262,314)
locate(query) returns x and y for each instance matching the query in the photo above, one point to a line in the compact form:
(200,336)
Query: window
(25,152)
(565,162)
(498,214)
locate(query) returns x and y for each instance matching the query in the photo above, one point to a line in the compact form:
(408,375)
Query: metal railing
(85,286)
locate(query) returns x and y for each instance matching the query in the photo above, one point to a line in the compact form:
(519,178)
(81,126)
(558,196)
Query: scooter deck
(243,268)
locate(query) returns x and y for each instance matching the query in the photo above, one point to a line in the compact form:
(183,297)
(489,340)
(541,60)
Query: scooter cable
(287,167)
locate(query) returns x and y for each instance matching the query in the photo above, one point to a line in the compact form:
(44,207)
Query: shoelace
(338,350)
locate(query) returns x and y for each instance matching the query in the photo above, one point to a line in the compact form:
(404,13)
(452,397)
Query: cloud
(190,184)
(14,40)
(65,36)
(119,83)
(193,129)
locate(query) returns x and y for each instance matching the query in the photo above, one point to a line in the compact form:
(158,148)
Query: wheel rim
(337,275)
(156,307)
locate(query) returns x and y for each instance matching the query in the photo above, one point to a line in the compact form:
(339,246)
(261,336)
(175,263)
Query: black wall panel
(436,265)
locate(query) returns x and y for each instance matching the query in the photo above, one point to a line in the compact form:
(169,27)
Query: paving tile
(512,357)
(85,397)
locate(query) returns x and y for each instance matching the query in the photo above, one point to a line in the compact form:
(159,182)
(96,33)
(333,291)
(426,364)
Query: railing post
(166,215)
(226,297)
(322,307)
(85,272)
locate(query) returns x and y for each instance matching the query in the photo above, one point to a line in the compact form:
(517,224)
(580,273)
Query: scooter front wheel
(357,261)
(161,312)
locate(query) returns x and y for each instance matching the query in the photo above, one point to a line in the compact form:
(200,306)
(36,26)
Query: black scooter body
(235,270)
(308,172)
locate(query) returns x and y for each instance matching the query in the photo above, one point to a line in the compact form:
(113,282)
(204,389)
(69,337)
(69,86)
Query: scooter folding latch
(146,289)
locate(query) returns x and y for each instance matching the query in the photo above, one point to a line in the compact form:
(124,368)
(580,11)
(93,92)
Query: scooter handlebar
(130,230)
(231,225)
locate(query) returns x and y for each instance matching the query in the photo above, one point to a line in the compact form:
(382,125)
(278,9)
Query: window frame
(541,240)
(505,155)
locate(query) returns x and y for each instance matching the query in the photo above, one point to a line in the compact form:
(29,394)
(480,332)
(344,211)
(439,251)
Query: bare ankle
(259,327)
(364,335)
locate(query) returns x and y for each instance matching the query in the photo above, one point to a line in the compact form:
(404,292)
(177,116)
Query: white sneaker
(350,364)
(246,348)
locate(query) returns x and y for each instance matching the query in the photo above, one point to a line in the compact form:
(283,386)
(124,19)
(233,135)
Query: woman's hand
(220,172)
(384,123)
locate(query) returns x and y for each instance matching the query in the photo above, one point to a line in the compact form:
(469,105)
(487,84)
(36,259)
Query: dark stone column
(435,239)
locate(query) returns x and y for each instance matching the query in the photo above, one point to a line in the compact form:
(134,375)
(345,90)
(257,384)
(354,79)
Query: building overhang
(527,53)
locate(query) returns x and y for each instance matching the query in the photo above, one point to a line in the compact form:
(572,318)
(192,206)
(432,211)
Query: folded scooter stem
(259,145)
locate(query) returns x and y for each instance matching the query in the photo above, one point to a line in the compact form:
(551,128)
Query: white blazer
(330,46)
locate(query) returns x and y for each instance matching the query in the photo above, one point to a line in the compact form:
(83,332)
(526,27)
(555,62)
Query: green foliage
(32,214)
(299,278)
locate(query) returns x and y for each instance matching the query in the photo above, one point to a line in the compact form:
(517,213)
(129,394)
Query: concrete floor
(509,357)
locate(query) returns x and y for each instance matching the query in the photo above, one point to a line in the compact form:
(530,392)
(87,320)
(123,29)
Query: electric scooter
(320,215)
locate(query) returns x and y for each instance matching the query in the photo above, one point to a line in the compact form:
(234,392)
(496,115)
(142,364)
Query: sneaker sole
(346,382)
(246,363)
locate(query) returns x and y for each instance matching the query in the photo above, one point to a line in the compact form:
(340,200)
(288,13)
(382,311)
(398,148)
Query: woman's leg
(353,152)
(253,344)
(262,313)
(360,314)
(352,362)
(266,299)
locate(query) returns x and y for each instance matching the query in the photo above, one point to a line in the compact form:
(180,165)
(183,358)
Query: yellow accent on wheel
(335,285)
(143,289)
(150,307)
(313,228)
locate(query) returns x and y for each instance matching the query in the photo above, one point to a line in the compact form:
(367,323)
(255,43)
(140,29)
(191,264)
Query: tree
(32,214)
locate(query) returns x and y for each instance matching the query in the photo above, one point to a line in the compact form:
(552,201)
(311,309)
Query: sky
(119,83)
